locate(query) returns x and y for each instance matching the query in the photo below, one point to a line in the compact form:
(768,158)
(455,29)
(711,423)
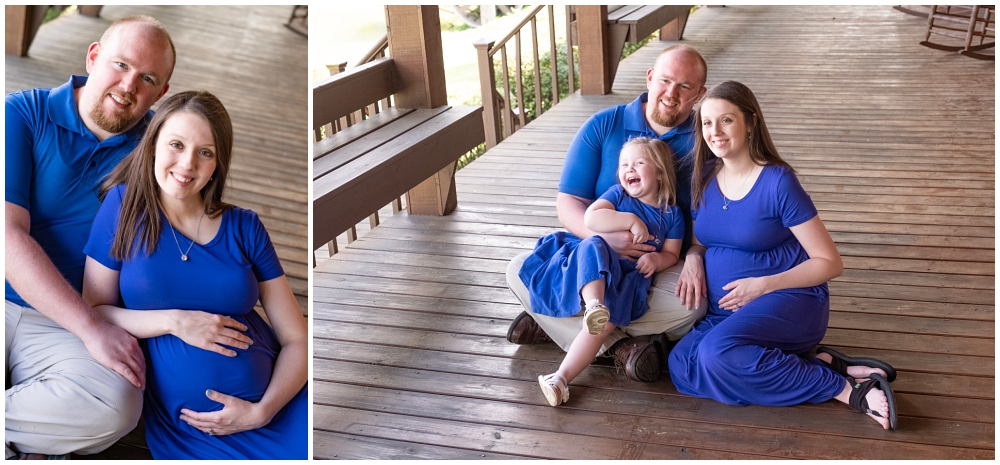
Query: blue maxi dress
(751,356)
(220,277)
(562,263)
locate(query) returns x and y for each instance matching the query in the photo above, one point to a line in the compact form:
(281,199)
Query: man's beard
(667,121)
(117,121)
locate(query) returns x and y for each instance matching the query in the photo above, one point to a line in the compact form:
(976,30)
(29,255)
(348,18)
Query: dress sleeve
(583,160)
(18,161)
(258,247)
(675,220)
(794,204)
(102,232)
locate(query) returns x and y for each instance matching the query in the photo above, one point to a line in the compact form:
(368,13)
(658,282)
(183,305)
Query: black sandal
(840,363)
(860,403)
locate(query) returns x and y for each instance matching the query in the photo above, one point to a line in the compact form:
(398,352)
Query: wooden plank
(358,131)
(331,445)
(373,134)
(352,192)
(344,93)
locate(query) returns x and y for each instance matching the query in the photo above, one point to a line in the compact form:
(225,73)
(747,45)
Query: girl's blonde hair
(659,153)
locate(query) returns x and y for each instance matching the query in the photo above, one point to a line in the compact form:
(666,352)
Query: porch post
(21,23)
(593,34)
(414,33)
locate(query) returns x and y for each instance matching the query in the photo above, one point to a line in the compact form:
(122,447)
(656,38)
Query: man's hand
(623,242)
(209,331)
(116,349)
(691,286)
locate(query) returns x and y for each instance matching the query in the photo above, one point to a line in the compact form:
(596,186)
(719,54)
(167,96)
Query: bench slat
(349,194)
(344,93)
(380,136)
(645,20)
(353,133)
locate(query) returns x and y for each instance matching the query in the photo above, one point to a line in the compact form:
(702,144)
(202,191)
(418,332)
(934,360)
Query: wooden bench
(618,24)
(383,152)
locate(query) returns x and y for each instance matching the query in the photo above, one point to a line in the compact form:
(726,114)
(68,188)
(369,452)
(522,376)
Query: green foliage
(471,156)
(527,75)
(630,47)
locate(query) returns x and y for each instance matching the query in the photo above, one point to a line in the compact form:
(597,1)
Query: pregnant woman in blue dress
(221,383)
(767,260)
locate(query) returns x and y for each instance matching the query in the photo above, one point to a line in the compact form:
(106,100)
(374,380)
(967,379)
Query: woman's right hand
(691,286)
(209,331)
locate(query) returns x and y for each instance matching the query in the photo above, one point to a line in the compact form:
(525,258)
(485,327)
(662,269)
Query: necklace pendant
(724,207)
(656,241)
(184,258)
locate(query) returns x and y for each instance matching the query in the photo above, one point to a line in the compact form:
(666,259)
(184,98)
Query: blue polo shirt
(592,160)
(54,168)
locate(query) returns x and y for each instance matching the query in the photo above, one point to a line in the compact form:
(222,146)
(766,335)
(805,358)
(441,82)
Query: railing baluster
(507,123)
(519,81)
(569,51)
(553,58)
(538,64)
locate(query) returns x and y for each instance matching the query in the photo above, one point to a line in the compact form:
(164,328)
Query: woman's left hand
(237,415)
(742,292)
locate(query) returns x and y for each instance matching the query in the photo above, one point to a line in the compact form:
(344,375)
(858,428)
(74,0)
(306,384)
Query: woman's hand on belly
(237,415)
(742,291)
(209,331)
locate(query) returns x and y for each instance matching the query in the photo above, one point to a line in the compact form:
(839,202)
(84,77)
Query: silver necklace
(184,254)
(725,205)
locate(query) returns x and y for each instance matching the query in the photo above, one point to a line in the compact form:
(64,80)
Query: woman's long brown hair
(762,150)
(139,223)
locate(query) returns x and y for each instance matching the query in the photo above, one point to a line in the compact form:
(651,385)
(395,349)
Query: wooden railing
(503,114)
(330,128)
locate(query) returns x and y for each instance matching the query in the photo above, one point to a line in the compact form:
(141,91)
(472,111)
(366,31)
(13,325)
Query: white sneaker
(596,316)
(555,389)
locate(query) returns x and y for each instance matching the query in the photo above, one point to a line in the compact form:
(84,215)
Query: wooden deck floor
(258,69)
(895,144)
(256,66)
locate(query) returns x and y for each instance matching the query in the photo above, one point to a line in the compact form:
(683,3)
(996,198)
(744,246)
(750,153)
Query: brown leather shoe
(524,330)
(638,357)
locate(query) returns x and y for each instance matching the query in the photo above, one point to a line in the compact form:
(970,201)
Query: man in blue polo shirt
(675,83)
(73,381)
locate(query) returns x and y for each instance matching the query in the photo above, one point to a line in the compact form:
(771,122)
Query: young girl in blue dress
(767,258)
(565,274)
(220,382)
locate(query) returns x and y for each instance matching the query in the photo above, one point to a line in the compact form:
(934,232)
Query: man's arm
(35,278)
(571,210)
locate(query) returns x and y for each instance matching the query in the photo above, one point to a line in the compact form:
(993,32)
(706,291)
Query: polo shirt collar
(63,111)
(635,120)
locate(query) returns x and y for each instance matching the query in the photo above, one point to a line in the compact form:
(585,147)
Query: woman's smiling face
(185,156)
(724,128)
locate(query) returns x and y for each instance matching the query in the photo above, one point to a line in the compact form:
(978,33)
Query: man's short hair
(148,21)
(685,48)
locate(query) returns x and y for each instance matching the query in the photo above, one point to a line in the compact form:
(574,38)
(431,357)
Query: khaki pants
(665,314)
(59,399)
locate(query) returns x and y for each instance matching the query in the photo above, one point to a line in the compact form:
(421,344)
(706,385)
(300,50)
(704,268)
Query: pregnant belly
(178,374)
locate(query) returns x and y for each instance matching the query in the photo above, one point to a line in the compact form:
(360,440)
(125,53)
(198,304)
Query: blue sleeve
(258,248)
(19,163)
(583,160)
(675,219)
(794,204)
(614,194)
(102,232)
